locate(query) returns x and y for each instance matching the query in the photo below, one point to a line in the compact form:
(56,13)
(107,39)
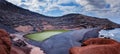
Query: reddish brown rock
(99,41)
(20,50)
(26,50)
(35,50)
(24,29)
(97,46)
(16,50)
(5,43)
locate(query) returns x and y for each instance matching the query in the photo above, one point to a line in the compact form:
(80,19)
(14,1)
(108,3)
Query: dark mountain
(12,16)
(8,28)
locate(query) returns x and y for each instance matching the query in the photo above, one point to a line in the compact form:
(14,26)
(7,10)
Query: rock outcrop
(25,29)
(5,42)
(35,50)
(28,49)
(25,50)
(17,50)
(19,46)
(97,46)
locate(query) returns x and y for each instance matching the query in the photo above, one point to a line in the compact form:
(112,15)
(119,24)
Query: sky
(97,8)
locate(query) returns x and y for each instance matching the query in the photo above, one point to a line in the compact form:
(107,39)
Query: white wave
(114,34)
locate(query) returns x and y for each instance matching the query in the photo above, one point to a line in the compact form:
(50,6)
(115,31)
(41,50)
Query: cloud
(100,5)
(44,6)
(90,5)
(115,5)
(101,8)
(18,2)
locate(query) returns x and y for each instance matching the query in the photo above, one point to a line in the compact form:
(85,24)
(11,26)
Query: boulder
(5,42)
(20,50)
(25,29)
(97,46)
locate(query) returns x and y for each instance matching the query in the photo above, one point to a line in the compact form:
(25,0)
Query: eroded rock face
(35,50)
(21,47)
(20,50)
(5,43)
(16,50)
(29,49)
(97,46)
(24,29)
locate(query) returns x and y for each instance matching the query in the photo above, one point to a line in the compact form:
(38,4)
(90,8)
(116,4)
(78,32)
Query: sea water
(114,34)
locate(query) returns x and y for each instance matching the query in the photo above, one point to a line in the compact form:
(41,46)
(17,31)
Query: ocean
(113,34)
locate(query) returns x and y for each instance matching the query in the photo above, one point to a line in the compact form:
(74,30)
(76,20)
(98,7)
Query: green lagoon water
(44,35)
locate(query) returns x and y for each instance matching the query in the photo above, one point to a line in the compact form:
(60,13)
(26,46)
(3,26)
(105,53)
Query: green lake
(40,36)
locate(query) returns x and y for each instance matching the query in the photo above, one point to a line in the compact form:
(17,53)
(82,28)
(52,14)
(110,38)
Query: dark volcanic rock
(2,1)
(5,43)
(61,43)
(7,28)
(13,16)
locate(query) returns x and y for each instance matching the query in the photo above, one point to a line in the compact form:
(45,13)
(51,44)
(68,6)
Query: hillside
(15,18)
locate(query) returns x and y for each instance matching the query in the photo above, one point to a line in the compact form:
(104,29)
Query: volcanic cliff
(14,18)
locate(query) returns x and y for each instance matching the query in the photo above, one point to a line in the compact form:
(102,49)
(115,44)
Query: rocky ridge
(12,16)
